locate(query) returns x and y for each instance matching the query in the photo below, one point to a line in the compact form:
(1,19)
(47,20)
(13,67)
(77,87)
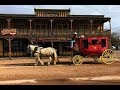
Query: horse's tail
(55,55)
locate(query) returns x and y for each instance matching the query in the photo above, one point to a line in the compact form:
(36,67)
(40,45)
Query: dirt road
(21,71)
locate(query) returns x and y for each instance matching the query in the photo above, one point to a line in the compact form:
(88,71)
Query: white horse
(39,52)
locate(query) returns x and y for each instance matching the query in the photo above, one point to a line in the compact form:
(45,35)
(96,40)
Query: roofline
(85,15)
(36,17)
(71,16)
(17,15)
(51,9)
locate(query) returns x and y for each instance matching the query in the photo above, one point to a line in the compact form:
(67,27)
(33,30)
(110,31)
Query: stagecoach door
(94,45)
(103,43)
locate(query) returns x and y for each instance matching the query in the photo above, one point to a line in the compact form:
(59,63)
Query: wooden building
(48,27)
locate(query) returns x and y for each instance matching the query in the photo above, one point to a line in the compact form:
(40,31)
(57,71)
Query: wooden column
(51,21)
(9,39)
(110,34)
(30,31)
(30,20)
(8,23)
(91,21)
(71,22)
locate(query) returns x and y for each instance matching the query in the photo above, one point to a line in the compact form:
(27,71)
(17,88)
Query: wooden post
(9,44)
(30,31)
(91,21)
(30,20)
(71,21)
(9,39)
(8,23)
(110,34)
(51,21)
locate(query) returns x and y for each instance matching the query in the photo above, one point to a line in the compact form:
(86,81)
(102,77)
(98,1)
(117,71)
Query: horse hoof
(54,63)
(48,63)
(42,64)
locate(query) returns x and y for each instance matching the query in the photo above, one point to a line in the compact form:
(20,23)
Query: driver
(74,37)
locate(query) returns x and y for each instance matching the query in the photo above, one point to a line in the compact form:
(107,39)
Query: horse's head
(31,48)
(28,49)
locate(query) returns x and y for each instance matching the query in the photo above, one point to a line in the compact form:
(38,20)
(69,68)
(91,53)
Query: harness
(39,50)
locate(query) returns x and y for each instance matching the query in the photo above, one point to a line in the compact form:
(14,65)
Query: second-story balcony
(57,33)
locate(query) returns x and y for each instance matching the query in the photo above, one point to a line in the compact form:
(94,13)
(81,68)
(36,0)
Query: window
(103,42)
(5,46)
(94,42)
(85,43)
(16,45)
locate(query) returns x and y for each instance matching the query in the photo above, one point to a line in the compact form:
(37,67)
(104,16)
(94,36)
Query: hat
(82,36)
(74,33)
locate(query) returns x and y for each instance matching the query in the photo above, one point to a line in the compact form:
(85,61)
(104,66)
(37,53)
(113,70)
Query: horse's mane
(33,45)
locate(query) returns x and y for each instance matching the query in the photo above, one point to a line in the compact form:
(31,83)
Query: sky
(112,11)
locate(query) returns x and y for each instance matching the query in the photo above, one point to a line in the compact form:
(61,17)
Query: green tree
(115,39)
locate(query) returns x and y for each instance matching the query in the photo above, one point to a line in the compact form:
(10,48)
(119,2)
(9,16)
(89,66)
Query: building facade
(48,27)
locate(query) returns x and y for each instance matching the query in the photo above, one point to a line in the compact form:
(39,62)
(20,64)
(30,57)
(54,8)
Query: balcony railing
(58,33)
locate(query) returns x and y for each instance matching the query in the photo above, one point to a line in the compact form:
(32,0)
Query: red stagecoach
(96,47)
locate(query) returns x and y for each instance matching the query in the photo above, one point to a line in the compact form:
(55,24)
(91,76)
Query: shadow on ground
(60,63)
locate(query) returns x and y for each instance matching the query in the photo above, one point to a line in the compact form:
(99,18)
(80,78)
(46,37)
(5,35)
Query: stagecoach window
(94,42)
(103,42)
(85,43)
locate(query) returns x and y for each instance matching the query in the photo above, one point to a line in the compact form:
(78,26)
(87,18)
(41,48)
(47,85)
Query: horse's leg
(37,56)
(54,63)
(58,60)
(36,63)
(41,62)
(50,59)
(55,57)
(31,54)
(38,59)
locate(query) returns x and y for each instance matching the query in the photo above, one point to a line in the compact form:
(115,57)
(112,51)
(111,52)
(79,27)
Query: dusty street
(21,71)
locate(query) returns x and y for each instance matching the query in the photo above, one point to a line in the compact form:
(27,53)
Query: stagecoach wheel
(108,56)
(77,60)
